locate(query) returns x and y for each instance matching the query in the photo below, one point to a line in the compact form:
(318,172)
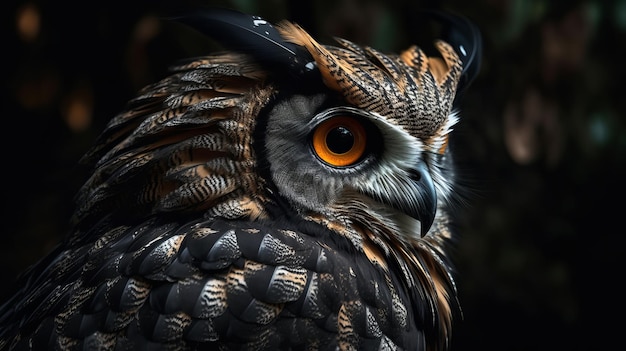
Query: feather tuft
(324,59)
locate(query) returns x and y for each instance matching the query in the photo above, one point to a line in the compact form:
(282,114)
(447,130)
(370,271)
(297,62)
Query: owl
(280,194)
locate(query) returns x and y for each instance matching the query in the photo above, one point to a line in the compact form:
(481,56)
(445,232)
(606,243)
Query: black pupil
(340,140)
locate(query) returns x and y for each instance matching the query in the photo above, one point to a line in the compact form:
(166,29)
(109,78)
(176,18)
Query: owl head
(351,130)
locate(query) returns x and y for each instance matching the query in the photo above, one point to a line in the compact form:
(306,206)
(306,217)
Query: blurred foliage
(541,146)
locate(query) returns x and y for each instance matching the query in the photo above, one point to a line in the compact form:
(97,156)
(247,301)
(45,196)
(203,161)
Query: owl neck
(417,267)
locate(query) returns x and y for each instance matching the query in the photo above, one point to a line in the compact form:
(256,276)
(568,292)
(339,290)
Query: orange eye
(339,141)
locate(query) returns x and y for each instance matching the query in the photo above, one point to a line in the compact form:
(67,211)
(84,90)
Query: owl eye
(340,141)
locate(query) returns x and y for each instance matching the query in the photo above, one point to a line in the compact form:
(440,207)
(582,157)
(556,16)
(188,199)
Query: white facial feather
(313,186)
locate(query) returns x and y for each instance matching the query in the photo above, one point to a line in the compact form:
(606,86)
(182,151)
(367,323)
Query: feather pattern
(411,90)
(202,128)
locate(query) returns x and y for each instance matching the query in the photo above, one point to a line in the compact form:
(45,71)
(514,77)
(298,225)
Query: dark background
(541,144)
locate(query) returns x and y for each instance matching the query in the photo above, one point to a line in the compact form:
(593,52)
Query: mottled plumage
(226,209)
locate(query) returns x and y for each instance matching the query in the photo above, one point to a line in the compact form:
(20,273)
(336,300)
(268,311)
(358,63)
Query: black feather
(465,38)
(254,36)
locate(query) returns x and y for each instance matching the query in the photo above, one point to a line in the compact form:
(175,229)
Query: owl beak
(427,198)
(415,197)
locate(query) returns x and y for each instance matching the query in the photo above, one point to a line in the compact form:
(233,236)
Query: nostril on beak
(416,175)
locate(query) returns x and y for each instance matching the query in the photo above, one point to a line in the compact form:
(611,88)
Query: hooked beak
(427,208)
(415,196)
